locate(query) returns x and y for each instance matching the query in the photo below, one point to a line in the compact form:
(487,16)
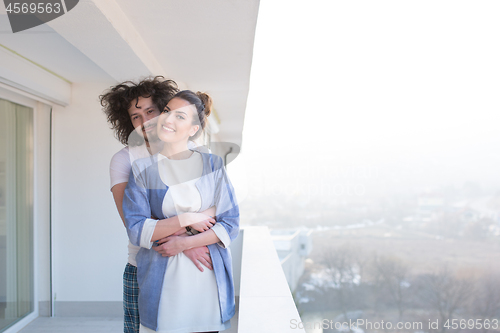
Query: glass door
(16,213)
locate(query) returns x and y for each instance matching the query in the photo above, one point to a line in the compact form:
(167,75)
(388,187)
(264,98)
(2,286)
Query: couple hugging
(178,206)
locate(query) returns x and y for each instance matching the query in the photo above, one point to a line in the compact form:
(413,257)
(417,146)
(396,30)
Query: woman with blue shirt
(174,185)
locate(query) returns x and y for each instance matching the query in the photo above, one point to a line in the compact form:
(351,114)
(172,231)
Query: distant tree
(341,265)
(446,293)
(485,303)
(391,276)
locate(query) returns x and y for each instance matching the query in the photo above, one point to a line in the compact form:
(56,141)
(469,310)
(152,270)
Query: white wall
(89,240)
(42,205)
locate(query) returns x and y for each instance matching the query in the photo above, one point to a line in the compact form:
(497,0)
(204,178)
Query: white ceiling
(204,45)
(44,46)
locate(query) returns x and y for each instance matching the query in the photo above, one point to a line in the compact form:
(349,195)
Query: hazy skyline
(409,90)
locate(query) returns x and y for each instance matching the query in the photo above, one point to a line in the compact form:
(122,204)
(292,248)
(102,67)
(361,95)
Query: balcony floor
(74,325)
(90,325)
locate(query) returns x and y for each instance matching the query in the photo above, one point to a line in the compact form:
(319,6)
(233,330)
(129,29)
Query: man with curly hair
(132,110)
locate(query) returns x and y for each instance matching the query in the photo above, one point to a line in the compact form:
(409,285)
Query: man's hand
(200,255)
(170,246)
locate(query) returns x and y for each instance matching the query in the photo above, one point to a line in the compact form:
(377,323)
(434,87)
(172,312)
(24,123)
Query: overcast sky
(409,89)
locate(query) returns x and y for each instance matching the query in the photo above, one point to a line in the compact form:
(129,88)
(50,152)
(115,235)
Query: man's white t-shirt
(119,171)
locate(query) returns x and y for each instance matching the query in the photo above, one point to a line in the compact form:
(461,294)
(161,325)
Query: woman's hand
(202,226)
(170,246)
(189,219)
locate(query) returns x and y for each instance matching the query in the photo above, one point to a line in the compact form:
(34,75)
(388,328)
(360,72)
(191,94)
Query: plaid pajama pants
(130,300)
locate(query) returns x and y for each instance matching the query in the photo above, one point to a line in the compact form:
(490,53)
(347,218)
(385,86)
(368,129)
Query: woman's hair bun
(207,101)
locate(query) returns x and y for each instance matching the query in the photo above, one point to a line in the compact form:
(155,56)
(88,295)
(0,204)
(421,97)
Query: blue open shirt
(144,198)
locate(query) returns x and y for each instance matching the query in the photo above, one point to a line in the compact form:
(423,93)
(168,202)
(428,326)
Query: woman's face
(177,122)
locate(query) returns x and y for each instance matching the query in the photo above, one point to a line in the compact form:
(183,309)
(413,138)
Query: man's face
(144,115)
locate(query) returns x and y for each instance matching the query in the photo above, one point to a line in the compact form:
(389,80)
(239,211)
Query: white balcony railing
(265,301)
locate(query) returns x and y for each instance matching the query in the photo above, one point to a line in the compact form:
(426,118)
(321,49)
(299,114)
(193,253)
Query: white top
(191,303)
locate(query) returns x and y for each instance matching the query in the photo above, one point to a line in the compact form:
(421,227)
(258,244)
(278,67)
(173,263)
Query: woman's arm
(200,221)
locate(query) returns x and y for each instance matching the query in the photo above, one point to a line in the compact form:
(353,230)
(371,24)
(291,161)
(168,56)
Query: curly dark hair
(116,101)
